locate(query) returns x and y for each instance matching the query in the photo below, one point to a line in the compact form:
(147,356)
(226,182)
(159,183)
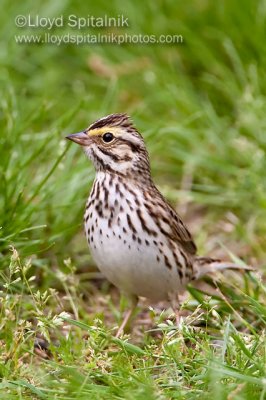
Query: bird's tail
(205,265)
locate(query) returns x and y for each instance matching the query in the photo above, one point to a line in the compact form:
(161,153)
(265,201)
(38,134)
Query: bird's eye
(108,137)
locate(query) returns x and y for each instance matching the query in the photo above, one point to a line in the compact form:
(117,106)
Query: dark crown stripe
(112,121)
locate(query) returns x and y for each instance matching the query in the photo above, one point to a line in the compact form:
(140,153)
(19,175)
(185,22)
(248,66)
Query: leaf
(128,347)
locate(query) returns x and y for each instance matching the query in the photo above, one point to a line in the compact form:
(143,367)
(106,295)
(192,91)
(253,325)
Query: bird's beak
(81,138)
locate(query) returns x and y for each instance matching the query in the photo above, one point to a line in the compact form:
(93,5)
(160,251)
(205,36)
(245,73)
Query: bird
(137,240)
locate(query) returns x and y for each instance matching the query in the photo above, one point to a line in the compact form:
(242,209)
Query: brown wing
(170,223)
(180,233)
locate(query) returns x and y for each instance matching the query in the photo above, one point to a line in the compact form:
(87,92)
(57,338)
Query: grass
(201,108)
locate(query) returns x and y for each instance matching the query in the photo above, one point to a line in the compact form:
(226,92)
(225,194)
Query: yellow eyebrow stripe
(101,131)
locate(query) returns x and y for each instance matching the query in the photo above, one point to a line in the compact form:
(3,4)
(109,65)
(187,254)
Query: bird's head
(114,145)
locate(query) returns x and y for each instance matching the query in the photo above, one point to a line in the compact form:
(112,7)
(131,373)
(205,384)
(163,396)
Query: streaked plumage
(136,238)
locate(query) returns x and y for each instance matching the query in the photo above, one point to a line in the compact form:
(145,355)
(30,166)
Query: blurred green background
(200,105)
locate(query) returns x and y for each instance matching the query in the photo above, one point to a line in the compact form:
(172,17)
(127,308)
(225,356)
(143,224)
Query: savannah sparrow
(136,238)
